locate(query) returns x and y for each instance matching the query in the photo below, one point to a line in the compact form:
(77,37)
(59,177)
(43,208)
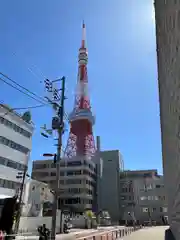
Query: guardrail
(106,235)
(112,234)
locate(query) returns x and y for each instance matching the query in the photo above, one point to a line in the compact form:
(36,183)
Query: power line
(32,72)
(24,88)
(29,107)
(38,98)
(21,108)
(30,69)
(21,91)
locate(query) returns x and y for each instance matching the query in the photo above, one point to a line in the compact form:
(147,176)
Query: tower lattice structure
(81,140)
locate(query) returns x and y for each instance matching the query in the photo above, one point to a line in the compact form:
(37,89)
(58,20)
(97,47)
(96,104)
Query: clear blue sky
(45,36)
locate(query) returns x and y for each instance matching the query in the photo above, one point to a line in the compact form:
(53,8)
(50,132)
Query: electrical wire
(30,69)
(38,98)
(29,107)
(24,88)
(32,72)
(21,108)
(21,91)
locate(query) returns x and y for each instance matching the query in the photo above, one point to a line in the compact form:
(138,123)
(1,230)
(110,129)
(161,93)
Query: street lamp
(51,155)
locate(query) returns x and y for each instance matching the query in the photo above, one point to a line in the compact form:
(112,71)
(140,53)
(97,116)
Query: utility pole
(58,124)
(21,175)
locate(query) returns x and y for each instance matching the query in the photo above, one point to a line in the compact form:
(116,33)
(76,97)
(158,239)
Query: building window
(40,174)
(8,184)
(145,209)
(123,197)
(178,20)
(39,166)
(148,187)
(13,145)
(154,209)
(72,173)
(15,127)
(75,163)
(12,164)
(163,209)
(124,190)
(61,182)
(143,198)
(73,181)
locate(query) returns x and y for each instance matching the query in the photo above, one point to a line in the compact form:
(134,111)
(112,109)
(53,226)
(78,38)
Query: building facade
(36,193)
(167,14)
(77,181)
(109,186)
(15,147)
(85,184)
(142,193)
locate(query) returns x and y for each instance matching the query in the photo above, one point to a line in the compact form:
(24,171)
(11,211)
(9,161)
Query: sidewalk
(154,233)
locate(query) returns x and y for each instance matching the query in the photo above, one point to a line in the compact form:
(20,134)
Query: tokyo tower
(81,141)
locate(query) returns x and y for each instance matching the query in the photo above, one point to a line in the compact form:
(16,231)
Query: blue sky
(45,36)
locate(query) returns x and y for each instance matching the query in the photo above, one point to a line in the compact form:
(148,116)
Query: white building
(36,193)
(15,148)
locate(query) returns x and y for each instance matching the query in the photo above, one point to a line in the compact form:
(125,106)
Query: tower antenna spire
(83,43)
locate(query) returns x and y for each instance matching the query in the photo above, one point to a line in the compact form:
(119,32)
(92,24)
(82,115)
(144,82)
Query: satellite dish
(27,117)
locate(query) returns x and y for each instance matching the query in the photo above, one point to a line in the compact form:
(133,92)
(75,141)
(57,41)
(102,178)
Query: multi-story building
(15,146)
(142,193)
(81,179)
(109,185)
(167,15)
(77,180)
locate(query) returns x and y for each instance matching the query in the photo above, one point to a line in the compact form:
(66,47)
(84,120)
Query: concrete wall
(78,221)
(30,224)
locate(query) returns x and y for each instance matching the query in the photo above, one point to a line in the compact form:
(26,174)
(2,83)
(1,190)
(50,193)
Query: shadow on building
(169,235)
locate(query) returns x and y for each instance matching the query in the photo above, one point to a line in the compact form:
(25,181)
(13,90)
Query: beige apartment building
(86,184)
(143,195)
(77,181)
(167,13)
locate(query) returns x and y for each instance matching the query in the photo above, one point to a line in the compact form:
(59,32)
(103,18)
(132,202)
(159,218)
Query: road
(155,233)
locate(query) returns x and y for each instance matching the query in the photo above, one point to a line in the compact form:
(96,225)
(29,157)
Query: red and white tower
(81,140)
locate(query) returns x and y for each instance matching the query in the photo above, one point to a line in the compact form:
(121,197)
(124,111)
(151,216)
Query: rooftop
(26,116)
